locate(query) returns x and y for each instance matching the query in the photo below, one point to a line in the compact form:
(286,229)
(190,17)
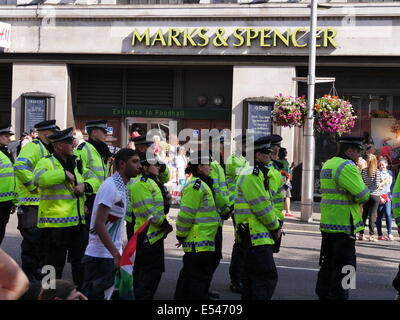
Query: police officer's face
(100,134)
(263,157)
(154,170)
(132,167)
(204,169)
(66,147)
(5,139)
(353,154)
(275,152)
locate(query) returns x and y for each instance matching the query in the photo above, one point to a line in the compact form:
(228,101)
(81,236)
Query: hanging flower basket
(334,115)
(289,111)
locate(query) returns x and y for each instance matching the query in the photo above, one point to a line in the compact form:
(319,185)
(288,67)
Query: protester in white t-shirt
(104,249)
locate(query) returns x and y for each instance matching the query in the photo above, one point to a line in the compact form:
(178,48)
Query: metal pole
(307,188)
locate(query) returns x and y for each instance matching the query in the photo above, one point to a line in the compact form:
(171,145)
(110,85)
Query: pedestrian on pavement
(286,176)
(196,229)
(64,290)
(149,199)
(61,207)
(13,281)
(104,249)
(342,191)
(28,198)
(372,179)
(93,158)
(8,194)
(385,204)
(22,140)
(257,226)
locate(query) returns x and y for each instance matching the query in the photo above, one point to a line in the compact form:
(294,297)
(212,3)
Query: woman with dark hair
(196,230)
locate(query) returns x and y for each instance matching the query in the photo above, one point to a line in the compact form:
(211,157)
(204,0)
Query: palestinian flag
(124,276)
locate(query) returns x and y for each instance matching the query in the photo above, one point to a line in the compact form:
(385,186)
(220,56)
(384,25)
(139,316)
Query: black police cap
(141,140)
(355,141)
(263,143)
(6,130)
(62,135)
(46,125)
(96,124)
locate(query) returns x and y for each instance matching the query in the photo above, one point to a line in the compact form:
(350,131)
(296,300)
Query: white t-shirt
(181,163)
(113,194)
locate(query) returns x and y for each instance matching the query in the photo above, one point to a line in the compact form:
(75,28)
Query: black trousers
(5,211)
(337,251)
(218,249)
(32,250)
(63,241)
(260,276)
(149,267)
(236,265)
(130,228)
(99,276)
(370,212)
(89,202)
(195,276)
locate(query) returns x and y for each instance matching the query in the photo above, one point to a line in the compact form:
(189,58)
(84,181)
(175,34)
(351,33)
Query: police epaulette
(48,156)
(36,141)
(197,184)
(143,178)
(80,147)
(256,171)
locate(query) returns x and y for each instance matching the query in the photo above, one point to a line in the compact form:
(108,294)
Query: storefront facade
(192,66)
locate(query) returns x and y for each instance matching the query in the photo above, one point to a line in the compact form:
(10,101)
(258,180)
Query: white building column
(263,81)
(39,77)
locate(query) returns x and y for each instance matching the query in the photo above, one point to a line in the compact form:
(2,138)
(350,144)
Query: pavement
(295,222)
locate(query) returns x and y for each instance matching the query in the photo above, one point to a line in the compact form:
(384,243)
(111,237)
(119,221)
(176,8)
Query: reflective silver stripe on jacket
(362,193)
(276,201)
(338,202)
(258,200)
(10,174)
(8,165)
(396,205)
(147,201)
(332,191)
(26,161)
(57,197)
(22,167)
(396,194)
(339,171)
(326,174)
(263,211)
(37,177)
(60,186)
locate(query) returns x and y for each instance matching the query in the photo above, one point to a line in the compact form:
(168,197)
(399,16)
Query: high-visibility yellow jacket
(233,165)
(198,220)
(342,190)
(94,170)
(275,189)
(163,177)
(58,206)
(26,162)
(146,201)
(396,201)
(220,188)
(253,206)
(7,179)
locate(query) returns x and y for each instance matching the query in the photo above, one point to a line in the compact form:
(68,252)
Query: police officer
(93,156)
(145,146)
(342,191)
(196,229)
(149,199)
(8,193)
(233,165)
(28,197)
(61,207)
(256,227)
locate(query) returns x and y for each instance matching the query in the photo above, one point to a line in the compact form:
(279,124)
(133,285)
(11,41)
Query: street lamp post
(307,188)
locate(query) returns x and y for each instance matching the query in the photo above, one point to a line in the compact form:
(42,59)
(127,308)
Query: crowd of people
(378,177)
(73,198)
